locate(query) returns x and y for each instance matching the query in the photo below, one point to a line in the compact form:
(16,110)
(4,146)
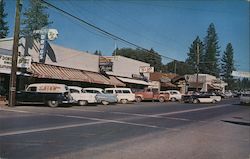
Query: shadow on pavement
(237,122)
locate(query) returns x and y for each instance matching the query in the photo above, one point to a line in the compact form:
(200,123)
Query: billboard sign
(105,64)
(22,61)
(146,69)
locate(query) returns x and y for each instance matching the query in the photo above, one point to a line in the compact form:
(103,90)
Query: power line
(114,37)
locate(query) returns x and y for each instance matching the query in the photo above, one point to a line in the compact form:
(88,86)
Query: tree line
(203,54)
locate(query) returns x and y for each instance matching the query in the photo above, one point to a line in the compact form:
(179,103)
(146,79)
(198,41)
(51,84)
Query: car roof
(76,87)
(117,89)
(93,89)
(48,84)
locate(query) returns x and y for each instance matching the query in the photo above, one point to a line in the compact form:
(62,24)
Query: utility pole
(197,66)
(12,88)
(175,66)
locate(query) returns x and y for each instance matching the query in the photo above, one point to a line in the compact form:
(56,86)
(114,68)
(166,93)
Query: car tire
(105,102)
(214,101)
(195,101)
(124,101)
(173,99)
(82,102)
(53,103)
(138,99)
(161,99)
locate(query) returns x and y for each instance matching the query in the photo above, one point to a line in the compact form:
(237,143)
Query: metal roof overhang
(62,73)
(134,81)
(8,71)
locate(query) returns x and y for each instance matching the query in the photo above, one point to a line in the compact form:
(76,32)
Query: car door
(148,94)
(31,95)
(89,96)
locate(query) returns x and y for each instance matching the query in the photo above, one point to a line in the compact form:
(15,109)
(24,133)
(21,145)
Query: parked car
(51,94)
(245,98)
(174,95)
(201,98)
(151,94)
(124,95)
(101,96)
(80,96)
(228,94)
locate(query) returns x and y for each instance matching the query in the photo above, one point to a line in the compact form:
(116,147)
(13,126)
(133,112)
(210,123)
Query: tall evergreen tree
(212,52)
(98,52)
(35,18)
(227,66)
(4,29)
(192,55)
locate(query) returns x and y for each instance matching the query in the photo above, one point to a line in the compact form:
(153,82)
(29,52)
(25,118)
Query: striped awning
(62,73)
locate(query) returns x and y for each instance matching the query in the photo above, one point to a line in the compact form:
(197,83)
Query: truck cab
(151,94)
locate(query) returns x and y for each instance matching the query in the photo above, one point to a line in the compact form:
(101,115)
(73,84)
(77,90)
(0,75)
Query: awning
(167,84)
(211,86)
(8,71)
(63,73)
(134,81)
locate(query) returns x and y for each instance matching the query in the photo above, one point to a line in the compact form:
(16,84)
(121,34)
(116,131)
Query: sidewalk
(3,103)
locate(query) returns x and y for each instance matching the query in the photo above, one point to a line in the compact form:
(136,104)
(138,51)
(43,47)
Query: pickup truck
(44,93)
(151,94)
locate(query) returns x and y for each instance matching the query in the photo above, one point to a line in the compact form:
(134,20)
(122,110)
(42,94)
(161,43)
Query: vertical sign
(43,43)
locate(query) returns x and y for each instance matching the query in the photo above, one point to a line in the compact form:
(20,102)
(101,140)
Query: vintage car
(201,98)
(51,94)
(124,95)
(174,95)
(245,98)
(80,96)
(101,96)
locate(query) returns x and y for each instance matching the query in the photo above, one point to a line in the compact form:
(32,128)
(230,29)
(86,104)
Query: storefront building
(71,67)
(206,83)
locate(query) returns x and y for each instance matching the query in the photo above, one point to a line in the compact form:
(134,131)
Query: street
(146,130)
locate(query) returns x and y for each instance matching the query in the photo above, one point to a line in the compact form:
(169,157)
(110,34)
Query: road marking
(11,110)
(108,121)
(150,116)
(192,110)
(48,129)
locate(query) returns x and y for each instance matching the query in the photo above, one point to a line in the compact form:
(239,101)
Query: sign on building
(241,74)
(146,69)
(105,64)
(22,62)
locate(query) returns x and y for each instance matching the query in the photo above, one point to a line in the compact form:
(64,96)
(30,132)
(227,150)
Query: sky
(167,26)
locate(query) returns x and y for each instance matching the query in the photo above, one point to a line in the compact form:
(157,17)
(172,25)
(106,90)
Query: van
(124,95)
(52,94)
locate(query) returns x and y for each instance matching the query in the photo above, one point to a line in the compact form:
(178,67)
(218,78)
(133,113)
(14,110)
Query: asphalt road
(132,131)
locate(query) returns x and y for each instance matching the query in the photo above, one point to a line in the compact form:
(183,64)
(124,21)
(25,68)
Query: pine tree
(3,24)
(227,65)
(35,18)
(212,52)
(192,55)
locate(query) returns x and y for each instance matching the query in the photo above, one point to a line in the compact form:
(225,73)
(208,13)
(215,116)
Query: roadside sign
(146,69)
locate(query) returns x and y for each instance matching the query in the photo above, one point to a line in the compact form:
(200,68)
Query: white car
(174,95)
(245,98)
(101,96)
(124,95)
(80,96)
